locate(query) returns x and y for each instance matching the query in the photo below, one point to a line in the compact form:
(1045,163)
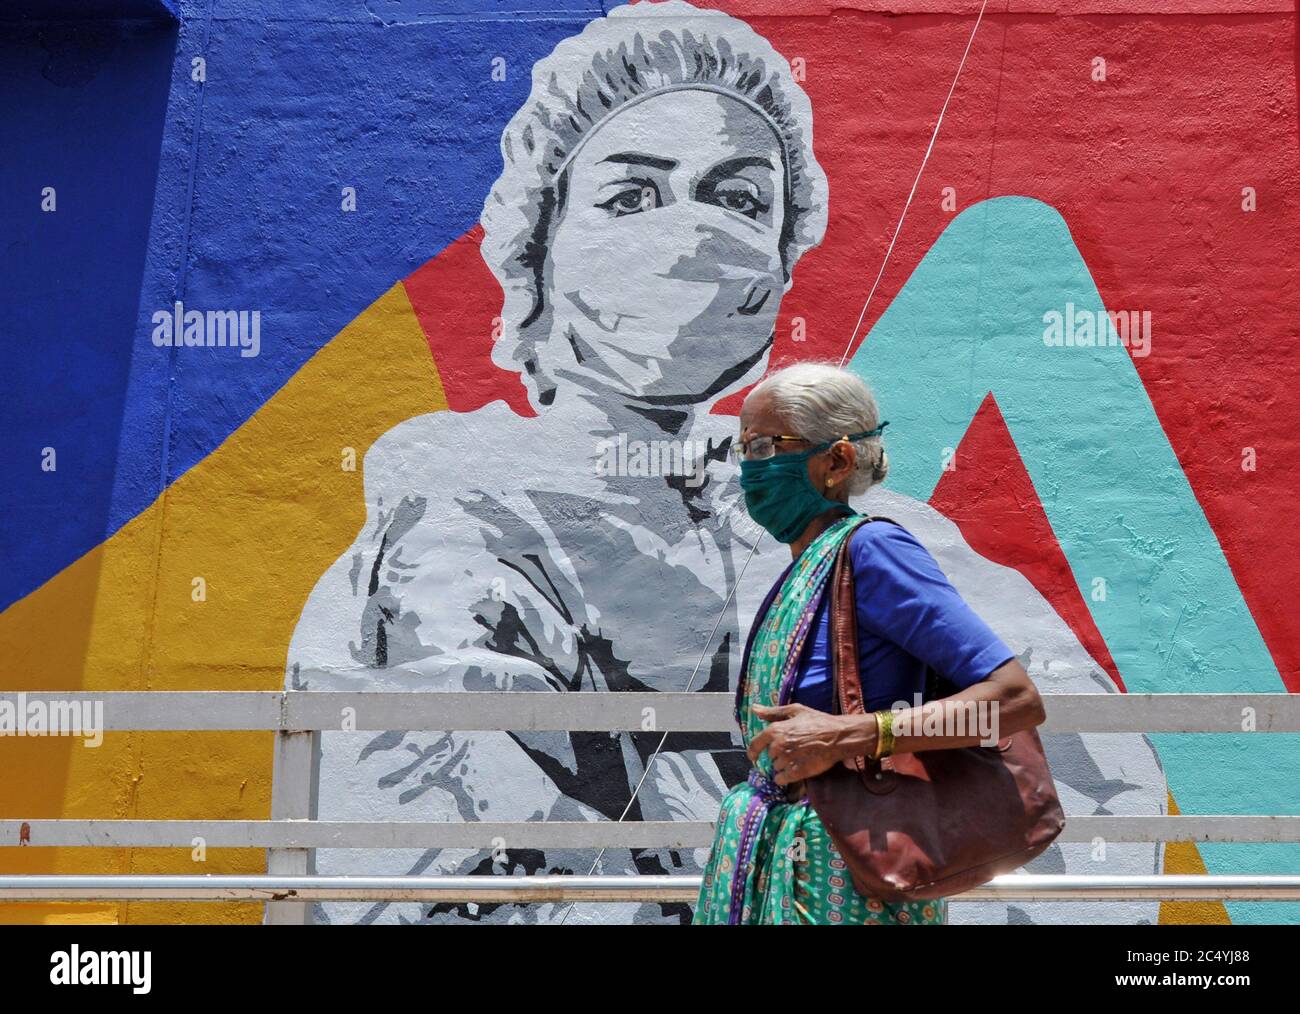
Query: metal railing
(293,832)
(279,890)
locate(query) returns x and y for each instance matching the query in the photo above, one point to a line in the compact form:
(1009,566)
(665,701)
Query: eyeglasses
(759,448)
(762,447)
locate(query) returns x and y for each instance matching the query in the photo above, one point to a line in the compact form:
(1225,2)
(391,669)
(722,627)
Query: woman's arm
(905,598)
(1004,702)
(803,742)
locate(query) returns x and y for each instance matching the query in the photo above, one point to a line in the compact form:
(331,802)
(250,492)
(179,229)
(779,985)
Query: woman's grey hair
(822,401)
(633,51)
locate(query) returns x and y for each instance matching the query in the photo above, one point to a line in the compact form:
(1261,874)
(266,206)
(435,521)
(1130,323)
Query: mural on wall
(659,188)
(508,295)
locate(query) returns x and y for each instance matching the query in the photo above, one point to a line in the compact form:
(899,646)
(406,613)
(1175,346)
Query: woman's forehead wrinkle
(758,415)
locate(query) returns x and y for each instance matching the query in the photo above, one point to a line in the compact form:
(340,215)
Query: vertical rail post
(293,797)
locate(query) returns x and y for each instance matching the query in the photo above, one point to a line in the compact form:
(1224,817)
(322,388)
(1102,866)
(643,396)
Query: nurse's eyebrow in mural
(636,158)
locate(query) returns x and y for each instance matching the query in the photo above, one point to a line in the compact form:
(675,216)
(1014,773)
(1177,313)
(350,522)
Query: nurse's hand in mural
(803,742)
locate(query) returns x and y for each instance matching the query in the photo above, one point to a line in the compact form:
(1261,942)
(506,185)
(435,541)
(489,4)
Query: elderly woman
(658,188)
(809,438)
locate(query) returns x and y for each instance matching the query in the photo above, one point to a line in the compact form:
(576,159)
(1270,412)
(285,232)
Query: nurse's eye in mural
(645,182)
(725,154)
(643,253)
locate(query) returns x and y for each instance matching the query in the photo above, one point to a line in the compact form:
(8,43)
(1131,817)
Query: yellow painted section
(259,520)
(1185,857)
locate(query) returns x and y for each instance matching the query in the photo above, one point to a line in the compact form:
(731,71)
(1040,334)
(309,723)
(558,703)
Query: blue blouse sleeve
(904,597)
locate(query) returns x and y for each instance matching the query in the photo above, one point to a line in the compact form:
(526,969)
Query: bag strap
(844,636)
(844,643)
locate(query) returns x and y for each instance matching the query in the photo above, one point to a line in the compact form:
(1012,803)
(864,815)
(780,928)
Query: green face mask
(780,496)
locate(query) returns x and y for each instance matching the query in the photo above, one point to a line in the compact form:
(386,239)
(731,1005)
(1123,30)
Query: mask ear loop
(850,437)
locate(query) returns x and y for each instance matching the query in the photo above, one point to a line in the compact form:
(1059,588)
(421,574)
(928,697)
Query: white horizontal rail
(299,717)
(314,834)
(309,834)
(305,710)
(1012,887)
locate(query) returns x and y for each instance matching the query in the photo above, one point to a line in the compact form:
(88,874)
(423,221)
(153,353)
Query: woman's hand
(803,742)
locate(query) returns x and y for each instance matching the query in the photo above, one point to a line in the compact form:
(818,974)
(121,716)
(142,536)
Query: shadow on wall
(83,105)
(83,97)
(66,11)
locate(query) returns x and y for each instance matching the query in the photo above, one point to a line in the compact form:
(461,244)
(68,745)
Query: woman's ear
(850,462)
(843,459)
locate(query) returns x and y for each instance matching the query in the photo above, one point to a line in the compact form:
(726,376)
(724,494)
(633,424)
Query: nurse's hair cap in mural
(633,53)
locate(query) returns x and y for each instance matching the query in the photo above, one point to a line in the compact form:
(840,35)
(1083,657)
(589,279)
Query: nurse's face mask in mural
(665,268)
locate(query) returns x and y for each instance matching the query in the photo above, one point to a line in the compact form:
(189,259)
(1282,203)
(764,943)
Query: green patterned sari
(772,861)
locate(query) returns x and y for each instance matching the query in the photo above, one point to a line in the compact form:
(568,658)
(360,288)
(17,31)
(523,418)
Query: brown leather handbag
(927,825)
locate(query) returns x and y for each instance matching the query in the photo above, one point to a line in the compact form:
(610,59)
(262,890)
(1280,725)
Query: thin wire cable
(844,358)
(915,183)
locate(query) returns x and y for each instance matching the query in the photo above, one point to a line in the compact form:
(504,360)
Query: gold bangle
(880,736)
(885,734)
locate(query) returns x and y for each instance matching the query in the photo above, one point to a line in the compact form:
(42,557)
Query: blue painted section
(83,109)
(970,320)
(394,99)
(86,10)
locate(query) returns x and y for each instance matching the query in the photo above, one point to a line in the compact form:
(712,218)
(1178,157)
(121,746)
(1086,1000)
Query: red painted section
(456,299)
(1147,169)
(998,511)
